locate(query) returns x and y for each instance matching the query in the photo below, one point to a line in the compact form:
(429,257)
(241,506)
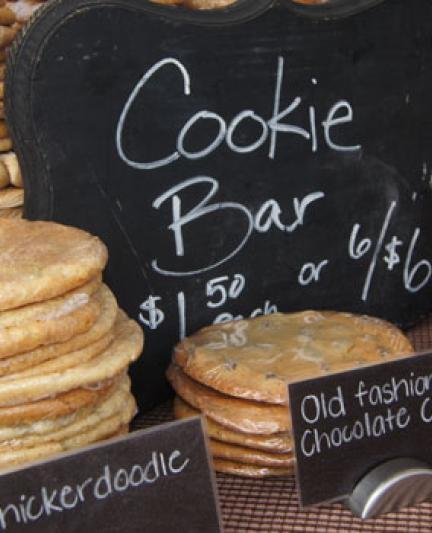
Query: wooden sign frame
(324,202)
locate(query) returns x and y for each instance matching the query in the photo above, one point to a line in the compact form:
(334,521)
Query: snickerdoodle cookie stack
(236,374)
(65,347)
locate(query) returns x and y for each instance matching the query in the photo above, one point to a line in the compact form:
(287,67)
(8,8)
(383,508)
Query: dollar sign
(151,316)
(392,258)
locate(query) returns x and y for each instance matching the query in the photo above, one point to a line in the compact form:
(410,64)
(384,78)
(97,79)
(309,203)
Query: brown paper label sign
(157,480)
(346,424)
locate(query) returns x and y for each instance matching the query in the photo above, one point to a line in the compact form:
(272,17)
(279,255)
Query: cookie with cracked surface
(63,404)
(55,320)
(103,325)
(42,260)
(126,347)
(54,428)
(255,359)
(103,429)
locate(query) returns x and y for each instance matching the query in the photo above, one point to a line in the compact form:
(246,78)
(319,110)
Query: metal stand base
(390,486)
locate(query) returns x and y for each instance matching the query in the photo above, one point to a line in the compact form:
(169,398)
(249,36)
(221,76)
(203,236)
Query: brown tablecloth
(271,505)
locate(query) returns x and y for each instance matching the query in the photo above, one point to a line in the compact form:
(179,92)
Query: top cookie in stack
(237,375)
(65,346)
(42,260)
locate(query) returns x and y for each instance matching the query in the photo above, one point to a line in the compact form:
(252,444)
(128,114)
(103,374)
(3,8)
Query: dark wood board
(330,216)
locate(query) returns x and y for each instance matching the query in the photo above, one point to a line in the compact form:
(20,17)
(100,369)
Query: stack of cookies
(236,374)
(13,15)
(8,31)
(65,347)
(11,197)
(11,186)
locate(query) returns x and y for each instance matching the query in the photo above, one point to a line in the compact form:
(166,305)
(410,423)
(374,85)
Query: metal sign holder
(390,486)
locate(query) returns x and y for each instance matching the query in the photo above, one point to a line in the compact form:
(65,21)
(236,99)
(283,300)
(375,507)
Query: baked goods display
(65,346)
(13,15)
(236,375)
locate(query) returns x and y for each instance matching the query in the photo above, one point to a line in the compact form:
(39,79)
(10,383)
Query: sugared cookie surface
(65,346)
(256,358)
(41,260)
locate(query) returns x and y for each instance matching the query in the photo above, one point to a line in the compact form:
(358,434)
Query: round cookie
(59,427)
(256,358)
(102,430)
(61,405)
(245,470)
(13,212)
(241,454)
(125,349)
(276,443)
(50,309)
(104,323)
(42,260)
(11,197)
(10,161)
(233,413)
(63,362)
(7,16)
(4,176)
(56,320)
(7,35)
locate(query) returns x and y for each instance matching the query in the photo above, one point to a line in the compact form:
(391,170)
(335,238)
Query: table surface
(271,505)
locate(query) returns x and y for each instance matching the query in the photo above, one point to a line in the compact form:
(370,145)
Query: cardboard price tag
(153,480)
(346,424)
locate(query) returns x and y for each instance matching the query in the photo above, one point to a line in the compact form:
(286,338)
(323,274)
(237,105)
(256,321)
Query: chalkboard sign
(236,162)
(346,424)
(153,480)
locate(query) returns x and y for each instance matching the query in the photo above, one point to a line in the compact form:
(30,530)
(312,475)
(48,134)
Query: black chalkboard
(346,424)
(236,161)
(158,480)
